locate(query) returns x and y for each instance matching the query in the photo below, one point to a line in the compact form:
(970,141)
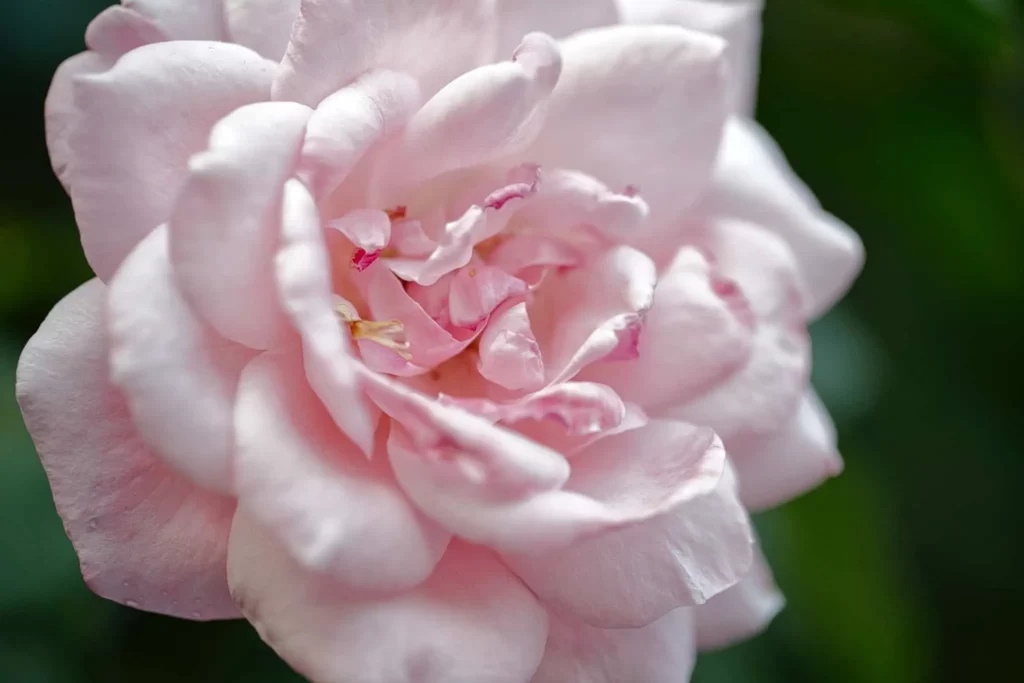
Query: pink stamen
(362,259)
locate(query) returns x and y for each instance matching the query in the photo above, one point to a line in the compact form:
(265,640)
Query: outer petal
(757,400)
(639,106)
(662,652)
(261,25)
(698,332)
(470,622)
(797,458)
(590,313)
(694,548)
(184,19)
(61,110)
(754,183)
(140,122)
(337,513)
(304,286)
(145,536)
(117,30)
(740,612)
(738,21)
(177,374)
(559,19)
(334,41)
(226,225)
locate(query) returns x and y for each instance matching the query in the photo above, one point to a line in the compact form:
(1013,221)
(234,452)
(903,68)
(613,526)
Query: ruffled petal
(139,124)
(470,622)
(334,41)
(559,19)
(117,30)
(476,291)
(226,225)
(336,513)
(639,106)
(184,19)
(753,182)
(780,467)
(593,312)
(61,110)
(740,612)
(662,652)
(693,540)
(737,21)
(758,399)
(699,331)
(509,353)
(304,286)
(146,537)
(177,374)
(261,25)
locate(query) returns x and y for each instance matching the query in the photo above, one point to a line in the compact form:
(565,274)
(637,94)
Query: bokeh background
(907,119)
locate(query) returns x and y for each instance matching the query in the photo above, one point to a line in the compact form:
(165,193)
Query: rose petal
(61,110)
(177,374)
(117,30)
(304,286)
(559,19)
(145,536)
(638,106)
(184,19)
(261,25)
(740,612)
(476,291)
(337,513)
(690,539)
(581,316)
(139,123)
(470,622)
(369,230)
(334,41)
(737,21)
(754,183)
(509,353)
(800,456)
(698,332)
(488,113)
(226,225)
(662,652)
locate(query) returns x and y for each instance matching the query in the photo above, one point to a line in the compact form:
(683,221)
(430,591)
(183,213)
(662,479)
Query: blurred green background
(907,119)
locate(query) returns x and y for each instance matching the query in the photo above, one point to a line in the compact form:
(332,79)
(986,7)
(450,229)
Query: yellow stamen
(387,333)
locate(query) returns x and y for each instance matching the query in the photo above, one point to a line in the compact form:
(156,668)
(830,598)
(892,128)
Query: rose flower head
(446,341)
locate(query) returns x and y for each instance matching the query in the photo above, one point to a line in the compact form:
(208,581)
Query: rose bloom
(446,341)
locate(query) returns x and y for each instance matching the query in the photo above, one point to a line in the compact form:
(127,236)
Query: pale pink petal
(529,251)
(758,399)
(698,332)
(333,42)
(742,611)
(117,30)
(488,113)
(184,19)
(304,286)
(369,230)
(226,225)
(177,374)
(261,25)
(802,454)
(582,316)
(639,106)
(337,513)
(410,239)
(580,408)
(559,19)
(693,539)
(61,110)
(349,122)
(476,291)
(470,622)
(139,124)
(509,353)
(146,537)
(753,182)
(737,21)
(662,652)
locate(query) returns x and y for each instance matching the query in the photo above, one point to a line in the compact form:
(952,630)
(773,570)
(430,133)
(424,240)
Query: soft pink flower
(419,337)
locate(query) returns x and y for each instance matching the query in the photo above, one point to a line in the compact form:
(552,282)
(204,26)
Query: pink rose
(419,337)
